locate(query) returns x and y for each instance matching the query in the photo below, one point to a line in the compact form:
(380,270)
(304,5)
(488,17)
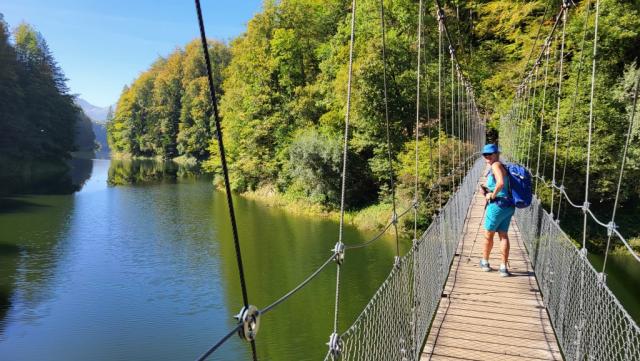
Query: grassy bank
(371,218)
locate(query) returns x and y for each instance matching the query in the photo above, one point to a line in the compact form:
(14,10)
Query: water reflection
(29,252)
(145,171)
(148,272)
(41,178)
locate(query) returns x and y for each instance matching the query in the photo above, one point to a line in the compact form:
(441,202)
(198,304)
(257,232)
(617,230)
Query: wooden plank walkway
(485,316)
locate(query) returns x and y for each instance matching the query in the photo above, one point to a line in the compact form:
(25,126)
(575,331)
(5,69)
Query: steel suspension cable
(575,99)
(531,124)
(417,131)
(334,343)
(440,45)
(386,116)
(543,112)
(591,102)
(560,76)
(612,224)
(452,135)
(225,171)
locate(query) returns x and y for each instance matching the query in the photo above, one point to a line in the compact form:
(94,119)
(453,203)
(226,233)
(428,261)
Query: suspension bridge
(435,304)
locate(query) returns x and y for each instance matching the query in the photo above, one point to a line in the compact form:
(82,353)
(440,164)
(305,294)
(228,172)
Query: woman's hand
(488,197)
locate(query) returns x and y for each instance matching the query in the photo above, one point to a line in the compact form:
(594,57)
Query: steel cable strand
(406,211)
(547,43)
(417,130)
(563,192)
(542,114)
(297,288)
(223,160)
(535,42)
(394,216)
(440,31)
(560,78)
(530,126)
(452,135)
(591,102)
(220,342)
(575,98)
(334,344)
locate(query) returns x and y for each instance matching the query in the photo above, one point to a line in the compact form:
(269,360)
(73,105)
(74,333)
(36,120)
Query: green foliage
(284,85)
(166,111)
(37,114)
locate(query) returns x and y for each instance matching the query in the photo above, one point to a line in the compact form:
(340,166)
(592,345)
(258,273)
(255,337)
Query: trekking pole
(484,211)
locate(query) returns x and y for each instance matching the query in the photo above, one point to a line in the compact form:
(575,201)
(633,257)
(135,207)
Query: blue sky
(103,45)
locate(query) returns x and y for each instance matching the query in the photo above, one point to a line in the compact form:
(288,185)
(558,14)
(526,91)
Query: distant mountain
(96,113)
(98,116)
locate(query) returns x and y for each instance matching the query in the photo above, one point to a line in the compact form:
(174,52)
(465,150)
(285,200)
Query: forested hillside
(282,87)
(38,120)
(38,114)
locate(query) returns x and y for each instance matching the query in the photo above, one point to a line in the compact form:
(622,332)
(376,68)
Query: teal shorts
(497,219)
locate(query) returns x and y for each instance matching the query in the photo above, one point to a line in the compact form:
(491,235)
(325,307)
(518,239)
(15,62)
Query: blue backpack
(519,185)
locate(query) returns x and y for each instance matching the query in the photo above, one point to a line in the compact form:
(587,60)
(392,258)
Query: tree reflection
(147,171)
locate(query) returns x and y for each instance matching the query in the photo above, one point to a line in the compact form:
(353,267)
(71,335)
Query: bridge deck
(485,316)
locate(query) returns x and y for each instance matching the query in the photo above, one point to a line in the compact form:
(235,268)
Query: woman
(499,210)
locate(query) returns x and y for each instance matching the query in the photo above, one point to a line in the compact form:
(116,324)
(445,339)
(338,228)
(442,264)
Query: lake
(139,264)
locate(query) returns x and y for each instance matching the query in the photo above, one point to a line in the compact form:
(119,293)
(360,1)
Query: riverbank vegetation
(282,87)
(39,124)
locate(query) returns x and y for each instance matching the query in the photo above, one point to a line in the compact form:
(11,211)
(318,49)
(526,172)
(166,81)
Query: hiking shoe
(484,266)
(504,272)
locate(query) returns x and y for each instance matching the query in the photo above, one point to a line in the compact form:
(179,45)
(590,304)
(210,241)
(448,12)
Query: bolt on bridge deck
(483,316)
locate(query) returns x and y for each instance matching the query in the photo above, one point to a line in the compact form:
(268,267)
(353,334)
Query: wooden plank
(485,316)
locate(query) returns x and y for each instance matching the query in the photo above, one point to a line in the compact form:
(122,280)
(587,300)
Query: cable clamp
(440,15)
(603,277)
(414,203)
(335,345)
(583,252)
(414,242)
(553,183)
(397,261)
(566,4)
(394,218)
(561,188)
(452,51)
(249,317)
(611,226)
(585,207)
(338,253)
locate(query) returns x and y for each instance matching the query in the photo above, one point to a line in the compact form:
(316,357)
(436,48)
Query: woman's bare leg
(488,244)
(504,246)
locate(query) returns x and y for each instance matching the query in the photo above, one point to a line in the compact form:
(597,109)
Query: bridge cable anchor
(611,227)
(338,251)
(335,345)
(249,317)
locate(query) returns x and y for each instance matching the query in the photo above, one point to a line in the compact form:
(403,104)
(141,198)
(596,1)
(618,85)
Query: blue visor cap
(489,149)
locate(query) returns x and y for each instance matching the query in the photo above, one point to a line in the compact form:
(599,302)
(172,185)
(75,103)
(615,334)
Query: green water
(138,264)
(147,271)
(623,278)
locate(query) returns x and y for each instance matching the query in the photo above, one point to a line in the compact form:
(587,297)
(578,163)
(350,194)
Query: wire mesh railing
(589,321)
(395,322)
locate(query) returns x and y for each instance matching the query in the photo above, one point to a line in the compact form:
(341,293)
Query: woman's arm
(496,168)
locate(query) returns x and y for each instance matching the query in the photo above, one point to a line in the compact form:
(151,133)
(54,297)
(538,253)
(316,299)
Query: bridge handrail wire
(601,329)
(384,329)
(609,226)
(324,265)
